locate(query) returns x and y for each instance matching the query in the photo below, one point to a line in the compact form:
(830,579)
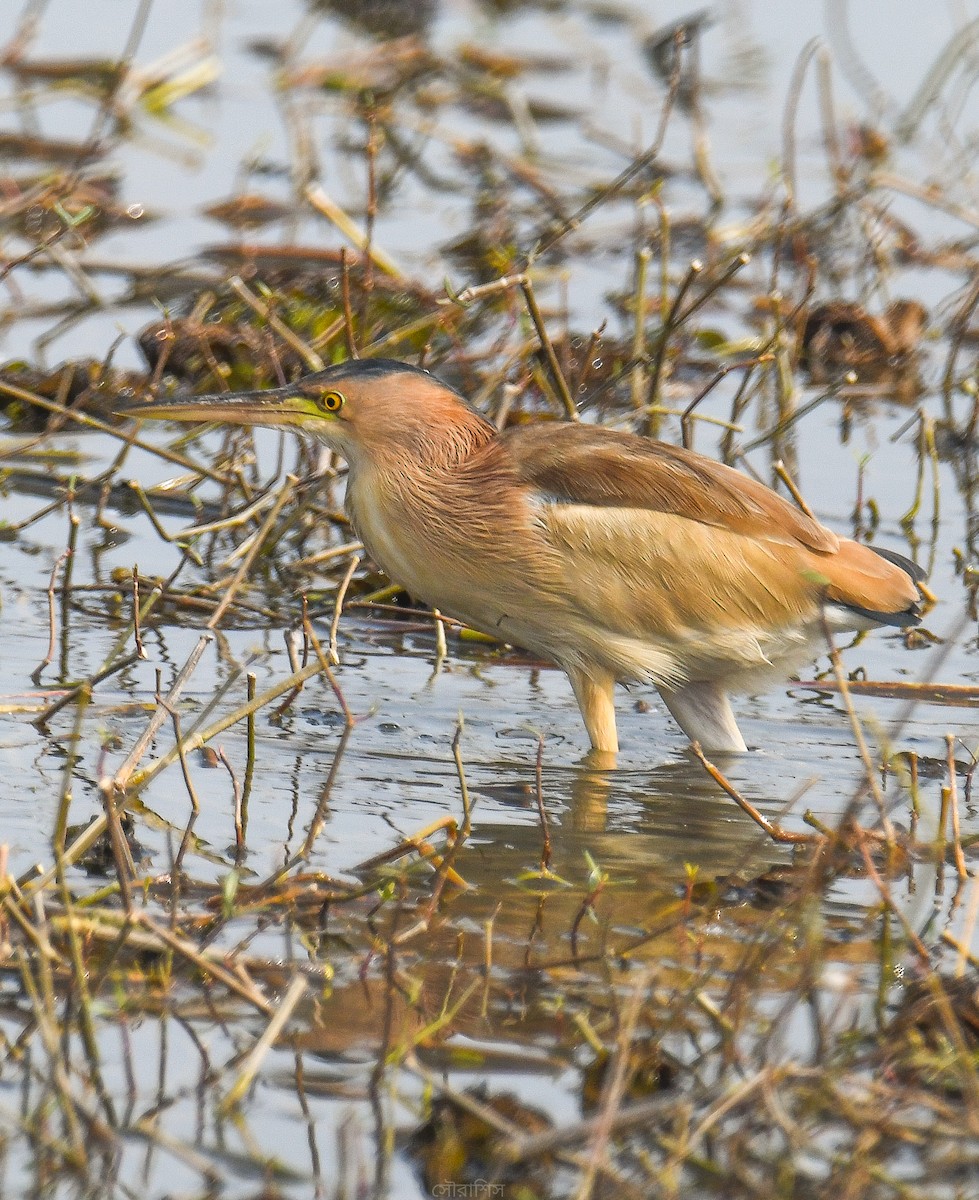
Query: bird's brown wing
(660,541)
(581,464)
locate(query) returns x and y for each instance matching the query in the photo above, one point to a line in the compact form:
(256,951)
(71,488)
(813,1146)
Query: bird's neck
(429,448)
(406,500)
(414,483)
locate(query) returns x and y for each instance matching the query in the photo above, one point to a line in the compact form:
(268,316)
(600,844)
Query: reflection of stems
(246,787)
(842,683)
(953,791)
(338,608)
(138,779)
(256,1056)
(137,632)
(236,806)
(202,736)
(122,776)
(926,448)
(463,786)
(195,807)
(64,801)
(259,539)
(349,718)
(545,854)
(86,686)
(66,577)
(52,624)
(907,520)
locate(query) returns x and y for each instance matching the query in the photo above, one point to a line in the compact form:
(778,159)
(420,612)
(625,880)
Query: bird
(618,557)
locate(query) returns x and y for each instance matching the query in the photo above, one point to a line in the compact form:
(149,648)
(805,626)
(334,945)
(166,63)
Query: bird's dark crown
(368,368)
(374,370)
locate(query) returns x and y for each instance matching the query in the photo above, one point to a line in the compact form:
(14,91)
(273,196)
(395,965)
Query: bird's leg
(703,711)
(594,690)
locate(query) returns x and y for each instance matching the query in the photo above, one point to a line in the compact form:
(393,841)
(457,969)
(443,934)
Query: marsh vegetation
(306,891)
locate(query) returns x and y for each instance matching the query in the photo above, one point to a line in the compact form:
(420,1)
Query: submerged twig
(775,832)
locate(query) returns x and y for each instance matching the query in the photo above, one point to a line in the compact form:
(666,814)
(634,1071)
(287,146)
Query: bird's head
(365,409)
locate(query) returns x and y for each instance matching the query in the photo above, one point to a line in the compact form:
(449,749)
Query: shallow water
(652,824)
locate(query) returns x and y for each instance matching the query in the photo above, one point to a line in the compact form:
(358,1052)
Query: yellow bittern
(617,557)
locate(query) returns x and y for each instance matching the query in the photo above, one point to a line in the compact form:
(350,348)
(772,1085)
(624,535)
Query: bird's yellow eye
(331,402)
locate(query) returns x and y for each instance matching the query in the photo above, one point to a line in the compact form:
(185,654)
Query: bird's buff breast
(452,551)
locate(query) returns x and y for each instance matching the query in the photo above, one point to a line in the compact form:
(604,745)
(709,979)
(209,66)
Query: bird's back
(664,543)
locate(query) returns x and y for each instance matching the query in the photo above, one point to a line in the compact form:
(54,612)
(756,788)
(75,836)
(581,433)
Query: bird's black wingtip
(904,619)
(917,574)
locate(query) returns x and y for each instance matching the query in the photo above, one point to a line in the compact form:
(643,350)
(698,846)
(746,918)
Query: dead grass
(728,1037)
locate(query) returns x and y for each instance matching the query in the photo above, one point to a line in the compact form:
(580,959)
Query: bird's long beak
(283,406)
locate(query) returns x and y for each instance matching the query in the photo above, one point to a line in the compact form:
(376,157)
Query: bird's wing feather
(658,541)
(577,464)
(646,574)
